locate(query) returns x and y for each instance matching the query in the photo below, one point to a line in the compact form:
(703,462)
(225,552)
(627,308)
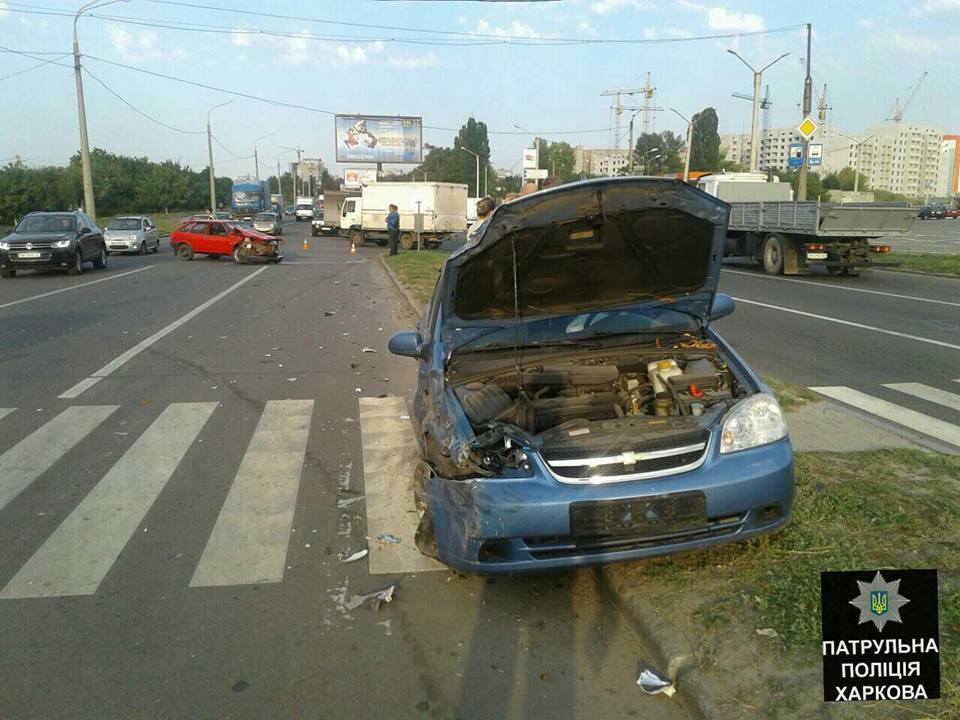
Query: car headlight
(61,243)
(755,421)
(4,246)
(133,237)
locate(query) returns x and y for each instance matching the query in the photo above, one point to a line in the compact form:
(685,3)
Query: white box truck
(304,208)
(442,205)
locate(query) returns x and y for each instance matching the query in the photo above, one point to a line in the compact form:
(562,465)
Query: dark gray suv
(53,241)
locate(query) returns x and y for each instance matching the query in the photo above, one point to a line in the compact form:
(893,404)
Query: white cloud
(180,53)
(415,61)
(350,56)
(919,46)
(4,9)
(602,7)
(130,47)
(670,32)
(295,51)
(461,20)
(514,29)
(723,20)
(935,6)
(586,28)
(238,37)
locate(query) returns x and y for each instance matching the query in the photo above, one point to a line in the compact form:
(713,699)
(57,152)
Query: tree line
(121,184)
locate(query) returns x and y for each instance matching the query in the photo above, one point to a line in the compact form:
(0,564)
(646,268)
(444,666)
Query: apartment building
(600,161)
(902,158)
(948,167)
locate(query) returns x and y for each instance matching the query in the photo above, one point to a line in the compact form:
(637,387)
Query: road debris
(768,632)
(652,684)
(386,538)
(368,350)
(356,556)
(374,599)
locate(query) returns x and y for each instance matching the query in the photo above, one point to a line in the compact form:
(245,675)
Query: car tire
(425,538)
(357,238)
(237,257)
(184,252)
(77,267)
(4,273)
(100,261)
(156,248)
(142,250)
(772,255)
(408,241)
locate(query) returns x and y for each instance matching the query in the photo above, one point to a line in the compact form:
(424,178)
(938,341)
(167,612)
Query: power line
(228,150)
(138,110)
(41,64)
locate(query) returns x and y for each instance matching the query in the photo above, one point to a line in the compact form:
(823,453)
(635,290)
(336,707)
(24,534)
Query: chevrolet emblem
(631,458)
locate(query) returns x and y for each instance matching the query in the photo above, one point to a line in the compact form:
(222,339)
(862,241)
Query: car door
(150,236)
(89,244)
(220,239)
(200,237)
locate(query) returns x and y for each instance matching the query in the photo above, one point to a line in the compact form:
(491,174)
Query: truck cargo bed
(820,219)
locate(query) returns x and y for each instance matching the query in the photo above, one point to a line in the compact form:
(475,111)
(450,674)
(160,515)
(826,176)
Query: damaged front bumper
(519,524)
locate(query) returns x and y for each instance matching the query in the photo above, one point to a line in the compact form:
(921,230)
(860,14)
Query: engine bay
(659,383)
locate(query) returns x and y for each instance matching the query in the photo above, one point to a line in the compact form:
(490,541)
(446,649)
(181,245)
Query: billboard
(359,177)
(530,158)
(378,138)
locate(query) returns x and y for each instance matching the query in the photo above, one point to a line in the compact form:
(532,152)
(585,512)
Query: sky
(509,64)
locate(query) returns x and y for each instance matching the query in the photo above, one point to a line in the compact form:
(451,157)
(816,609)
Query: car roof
(53,212)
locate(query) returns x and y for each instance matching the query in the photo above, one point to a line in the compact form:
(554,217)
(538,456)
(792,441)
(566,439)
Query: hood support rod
(516,315)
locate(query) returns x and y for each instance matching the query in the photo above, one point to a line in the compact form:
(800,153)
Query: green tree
(815,188)
(558,159)
(844,180)
(730,165)
(473,137)
(705,150)
(658,153)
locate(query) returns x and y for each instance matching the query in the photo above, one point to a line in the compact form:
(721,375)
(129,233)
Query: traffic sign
(795,155)
(807,128)
(816,155)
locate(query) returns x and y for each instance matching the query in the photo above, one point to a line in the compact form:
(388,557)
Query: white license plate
(816,256)
(28,255)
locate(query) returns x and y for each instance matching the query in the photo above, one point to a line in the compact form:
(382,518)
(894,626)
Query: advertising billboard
(379,139)
(354,178)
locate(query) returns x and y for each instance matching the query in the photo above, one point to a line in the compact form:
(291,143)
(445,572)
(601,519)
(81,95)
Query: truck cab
(304,209)
(351,218)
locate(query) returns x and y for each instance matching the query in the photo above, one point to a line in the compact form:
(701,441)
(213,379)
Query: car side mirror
(407,343)
(723,305)
(84,230)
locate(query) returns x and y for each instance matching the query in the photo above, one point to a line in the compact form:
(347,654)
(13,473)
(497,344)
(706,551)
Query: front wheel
(184,252)
(238,257)
(5,273)
(77,266)
(357,238)
(142,250)
(773,255)
(100,261)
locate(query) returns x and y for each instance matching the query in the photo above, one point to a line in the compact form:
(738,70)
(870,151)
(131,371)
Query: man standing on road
(393,229)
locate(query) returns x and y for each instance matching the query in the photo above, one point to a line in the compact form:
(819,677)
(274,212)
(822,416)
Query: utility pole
(755,124)
(807,108)
(686,160)
(89,205)
(477,157)
(213,183)
(296,173)
(256,159)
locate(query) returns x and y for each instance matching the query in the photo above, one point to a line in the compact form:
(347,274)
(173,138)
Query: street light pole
(807,108)
(856,159)
(256,160)
(536,144)
(213,184)
(686,160)
(477,157)
(296,173)
(89,205)
(755,125)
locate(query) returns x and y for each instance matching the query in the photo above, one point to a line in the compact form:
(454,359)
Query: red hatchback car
(211,237)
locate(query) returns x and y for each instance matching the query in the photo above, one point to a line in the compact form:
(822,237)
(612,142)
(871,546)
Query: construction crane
(647,91)
(823,107)
(765,104)
(897,113)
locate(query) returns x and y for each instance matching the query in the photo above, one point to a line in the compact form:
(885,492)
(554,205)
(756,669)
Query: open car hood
(588,259)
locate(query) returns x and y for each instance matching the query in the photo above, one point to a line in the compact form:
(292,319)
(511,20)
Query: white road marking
(322,262)
(842,287)
(894,413)
(123,358)
(5,411)
(848,323)
(79,554)
(74,287)
(390,455)
(930,394)
(32,456)
(79,388)
(249,541)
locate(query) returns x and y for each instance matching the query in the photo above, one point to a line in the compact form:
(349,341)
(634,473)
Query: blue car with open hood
(574,405)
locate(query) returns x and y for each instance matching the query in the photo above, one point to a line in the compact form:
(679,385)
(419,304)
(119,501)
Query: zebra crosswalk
(905,414)
(249,541)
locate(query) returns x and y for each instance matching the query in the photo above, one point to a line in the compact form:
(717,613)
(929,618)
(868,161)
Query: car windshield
(304,206)
(124,224)
(46,223)
(265,217)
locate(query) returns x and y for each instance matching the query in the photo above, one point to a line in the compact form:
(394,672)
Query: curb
(672,658)
(407,295)
(918,272)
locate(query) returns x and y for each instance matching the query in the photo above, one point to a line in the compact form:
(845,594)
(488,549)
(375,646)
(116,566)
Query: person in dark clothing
(393,229)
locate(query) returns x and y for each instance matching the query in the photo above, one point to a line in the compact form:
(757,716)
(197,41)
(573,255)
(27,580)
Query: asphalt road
(940,237)
(162,555)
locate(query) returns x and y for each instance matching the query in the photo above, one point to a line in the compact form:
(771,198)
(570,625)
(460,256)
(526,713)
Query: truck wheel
(773,250)
(357,238)
(407,241)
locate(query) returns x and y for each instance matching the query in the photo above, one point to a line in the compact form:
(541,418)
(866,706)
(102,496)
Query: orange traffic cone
(306,244)
(353,248)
